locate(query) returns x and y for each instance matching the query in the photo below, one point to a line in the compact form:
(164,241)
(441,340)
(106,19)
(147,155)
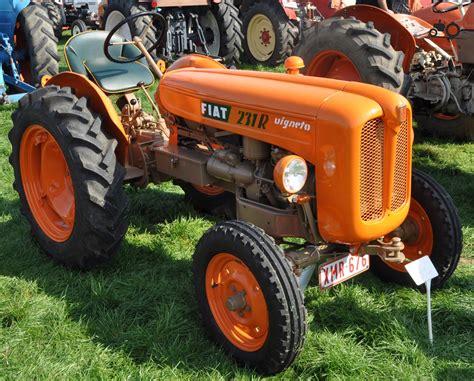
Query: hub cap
(47,183)
(416,233)
(261,37)
(113,19)
(237,302)
(333,64)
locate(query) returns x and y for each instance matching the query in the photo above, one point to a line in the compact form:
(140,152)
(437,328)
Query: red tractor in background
(271,28)
(211,27)
(427,56)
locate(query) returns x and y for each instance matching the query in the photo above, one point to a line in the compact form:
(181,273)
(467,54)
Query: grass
(137,318)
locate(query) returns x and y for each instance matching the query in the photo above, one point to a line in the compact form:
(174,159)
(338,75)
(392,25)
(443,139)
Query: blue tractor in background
(28,48)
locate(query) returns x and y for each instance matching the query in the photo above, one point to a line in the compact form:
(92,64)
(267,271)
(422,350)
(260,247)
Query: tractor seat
(84,54)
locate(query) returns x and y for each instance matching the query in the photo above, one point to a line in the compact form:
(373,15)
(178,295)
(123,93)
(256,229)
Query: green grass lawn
(137,317)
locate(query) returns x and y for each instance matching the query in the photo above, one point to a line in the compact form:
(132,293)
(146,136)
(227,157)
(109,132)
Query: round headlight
(290,174)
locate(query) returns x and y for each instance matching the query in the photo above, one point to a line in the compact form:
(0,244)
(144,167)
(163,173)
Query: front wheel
(249,297)
(432,228)
(68,178)
(78,26)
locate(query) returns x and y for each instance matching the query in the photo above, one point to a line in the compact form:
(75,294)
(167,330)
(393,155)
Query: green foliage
(137,318)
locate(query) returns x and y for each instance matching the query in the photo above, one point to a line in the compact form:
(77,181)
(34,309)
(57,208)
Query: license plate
(342,269)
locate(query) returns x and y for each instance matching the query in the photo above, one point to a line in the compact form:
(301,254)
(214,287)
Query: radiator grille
(399,192)
(371,170)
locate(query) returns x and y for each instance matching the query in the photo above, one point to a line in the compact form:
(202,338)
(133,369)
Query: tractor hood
(281,109)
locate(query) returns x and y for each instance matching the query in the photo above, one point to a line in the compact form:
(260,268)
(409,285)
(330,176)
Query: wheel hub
(261,37)
(237,302)
(47,183)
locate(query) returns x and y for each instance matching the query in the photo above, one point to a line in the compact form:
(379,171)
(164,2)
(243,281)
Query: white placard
(421,270)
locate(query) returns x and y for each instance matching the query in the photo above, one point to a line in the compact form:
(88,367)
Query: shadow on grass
(142,303)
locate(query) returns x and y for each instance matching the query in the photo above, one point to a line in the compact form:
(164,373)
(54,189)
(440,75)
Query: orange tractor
(427,56)
(277,150)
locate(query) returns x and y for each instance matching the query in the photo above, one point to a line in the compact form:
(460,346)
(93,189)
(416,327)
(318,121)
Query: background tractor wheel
(249,297)
(55,15)
(349,49)
(432,228)
(118,10)
(269,35)
(459,127)
(223,31)
(68,178)
(78,26)
(36,36)
(209,199)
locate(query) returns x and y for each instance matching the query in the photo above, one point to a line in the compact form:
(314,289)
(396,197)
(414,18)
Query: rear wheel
(68,178)
(460,127)
(117,10)
(432,228)
(223,31)
(209,199)
(55,15)
(349,49)
(249,297)
(269,35)
(35,36)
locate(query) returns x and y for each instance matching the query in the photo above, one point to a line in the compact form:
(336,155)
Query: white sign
(421,270)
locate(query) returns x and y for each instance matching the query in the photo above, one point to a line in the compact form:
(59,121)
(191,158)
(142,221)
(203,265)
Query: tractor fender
(99,103)
(401,38)
(199,61)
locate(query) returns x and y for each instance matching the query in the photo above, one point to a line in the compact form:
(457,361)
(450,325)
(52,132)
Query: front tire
(249,297)
(68,178)
(432,228)
(78,26)
(349,49)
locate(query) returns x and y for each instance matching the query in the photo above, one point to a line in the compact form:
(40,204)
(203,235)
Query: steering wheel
(456,5)
(155,17)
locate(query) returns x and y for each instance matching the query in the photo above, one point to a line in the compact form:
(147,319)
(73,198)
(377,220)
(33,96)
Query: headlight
(290,174)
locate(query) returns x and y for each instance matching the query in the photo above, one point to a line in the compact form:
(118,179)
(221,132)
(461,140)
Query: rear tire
(54,14)
(460,128)
(117,10)
(364,46)
(98,220)
(257,266)
(226,16)
(36,36)
(262,22)
(213,202)
(446,236)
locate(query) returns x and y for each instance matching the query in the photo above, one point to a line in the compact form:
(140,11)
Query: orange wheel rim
(417,235)
(209,190)
(47,183)
(245,321)
(333,64)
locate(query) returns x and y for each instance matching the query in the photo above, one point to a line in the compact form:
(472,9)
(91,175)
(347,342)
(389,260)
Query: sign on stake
(422,271)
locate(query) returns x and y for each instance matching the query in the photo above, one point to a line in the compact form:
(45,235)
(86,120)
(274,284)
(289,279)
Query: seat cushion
(114,77)
(85,55)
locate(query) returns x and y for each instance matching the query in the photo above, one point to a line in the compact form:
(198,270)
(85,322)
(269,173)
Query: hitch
(388,251)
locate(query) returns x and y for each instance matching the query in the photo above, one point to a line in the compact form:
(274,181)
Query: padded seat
(85,55)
